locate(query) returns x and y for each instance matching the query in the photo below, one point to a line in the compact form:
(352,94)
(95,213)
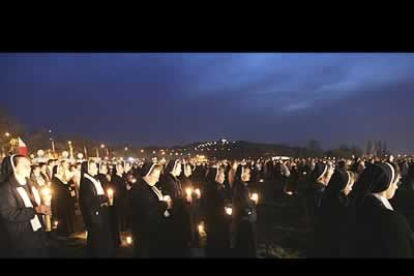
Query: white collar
(384,201)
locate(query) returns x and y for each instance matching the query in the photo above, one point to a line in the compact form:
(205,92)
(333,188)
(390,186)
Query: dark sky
(170,99)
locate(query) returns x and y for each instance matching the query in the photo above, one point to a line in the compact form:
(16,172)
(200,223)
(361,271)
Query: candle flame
(198,193)
(189,191)
(229,211)
(110,192)
(255,197)
(129,240)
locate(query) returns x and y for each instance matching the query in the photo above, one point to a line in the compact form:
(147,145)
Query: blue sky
(177,98)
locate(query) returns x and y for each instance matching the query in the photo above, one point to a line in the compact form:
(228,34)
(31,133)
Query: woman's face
(220,177)
(348,188)
(187,170)
(246,175)
(119,169)
(154,177)
(178,169)
(390,192)
(93,169)
(23,168)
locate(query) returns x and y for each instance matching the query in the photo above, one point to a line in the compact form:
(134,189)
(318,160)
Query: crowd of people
(169,207)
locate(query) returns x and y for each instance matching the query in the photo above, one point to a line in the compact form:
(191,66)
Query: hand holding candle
(189,193)
(255,198)
(198,193)
(46,193)
(110,194)
(167,199)
(229,211)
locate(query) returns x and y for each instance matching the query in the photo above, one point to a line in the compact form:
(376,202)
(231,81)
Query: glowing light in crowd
(255,198)
(198,193)
(110,194)
(126,148)
(142,151)
(129,240)
(131,159)
(7,134)
(80,156)
(189,191)
(102,146)
(228,210)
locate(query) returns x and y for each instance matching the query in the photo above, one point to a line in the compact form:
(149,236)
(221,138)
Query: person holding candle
(120,189)
(179,223)
(217,222)
(105,178)
(63,203)
(20,211)
(148,213)
(94,207)
(244,215)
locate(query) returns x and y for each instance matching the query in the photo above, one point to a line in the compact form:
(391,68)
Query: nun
(331,227)
(94,207)
(20,212)
(319,177)
(179,223)
(244,215)
(377,230)
(105,178)
(63,203)
(148,213)
(120,189)
(217,221)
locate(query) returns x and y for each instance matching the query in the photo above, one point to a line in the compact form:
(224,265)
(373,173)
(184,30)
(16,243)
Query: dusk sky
(171,99)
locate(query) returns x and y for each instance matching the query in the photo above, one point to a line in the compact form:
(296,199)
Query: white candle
(110,194)
(255,198)
(229,211)
(198,193)
(129,240)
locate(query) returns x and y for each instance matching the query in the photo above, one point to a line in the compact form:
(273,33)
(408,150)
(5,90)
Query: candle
(198,193)
(229,210)
(189,192)
(255,198)
(201,229)
(47,199)
(110,194)
(261,180)
(55,224)
(129,240)
(167,199)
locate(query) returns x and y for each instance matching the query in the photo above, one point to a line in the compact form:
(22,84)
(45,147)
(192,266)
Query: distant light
(50,131)
(129,240)
(7,134)
(126,149)
(131,159)
(170,153)
(176,153)
(153,152)
(142,151)
(102,146)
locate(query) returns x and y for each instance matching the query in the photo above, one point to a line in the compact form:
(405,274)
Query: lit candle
(129,240)
(201,229)
(55,224)
(189,192)
(261,180)
(167,199)
(229,210)
(255,198)
(110,194)
(198,193)
(47,199)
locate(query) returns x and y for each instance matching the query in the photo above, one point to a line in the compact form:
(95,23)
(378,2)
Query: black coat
(331,228)
(245,216)
(217,222)
(63,207)
(378,232)
(147,220)
(24,242)
(178,224)
(96,217)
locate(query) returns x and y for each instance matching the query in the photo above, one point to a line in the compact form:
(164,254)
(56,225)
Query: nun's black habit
(244,215)
(217,222)
(147,217)
(377,231)
(94,206)
(24,228)
(333,220)
(63,205)
(315,192)
(178,225)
